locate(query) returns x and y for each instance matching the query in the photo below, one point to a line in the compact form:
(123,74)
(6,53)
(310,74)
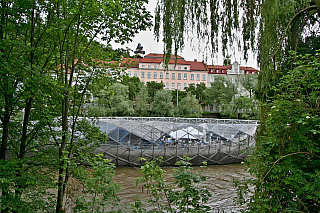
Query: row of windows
(170,67)
(173,75)
(173,86)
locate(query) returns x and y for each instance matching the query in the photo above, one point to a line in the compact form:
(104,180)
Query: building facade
(181,73)
(178,75)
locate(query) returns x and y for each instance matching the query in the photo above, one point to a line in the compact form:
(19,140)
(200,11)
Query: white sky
(150,45)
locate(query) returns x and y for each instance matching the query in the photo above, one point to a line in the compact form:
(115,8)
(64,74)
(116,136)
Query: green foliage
(143,102)
(199,90)
(114,102)
(178,19)
(98,190)
(221,91)
(191,198)
(181,95)
(242,107)
(48,62)
(249,82)
(162,105)
(133,84)
(189,107)
(286,160)
(182,195)
(33,181)
(153,87)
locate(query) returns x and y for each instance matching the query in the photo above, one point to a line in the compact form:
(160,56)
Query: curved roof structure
(150,135)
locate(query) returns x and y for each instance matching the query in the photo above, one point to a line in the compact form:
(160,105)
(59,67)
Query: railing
(185,120)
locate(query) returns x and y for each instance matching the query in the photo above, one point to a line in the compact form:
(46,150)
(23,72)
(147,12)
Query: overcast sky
(150,45)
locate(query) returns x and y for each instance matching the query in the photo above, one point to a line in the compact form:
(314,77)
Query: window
(222,71)
(217,71)
(204,77)
(247,72)
(172,67)
(185,76)
(191,76)
(143,66)
(129,73)
(142,74)
(173,76)
(198,77)
(161,75)
(155,75)
(167,85)
(167,75)
(173,86)
(185,68)
(135,73)
(179,86)
(185,85)
(155,66)
(179,68)
(179,76)
(149,75)
(149,66)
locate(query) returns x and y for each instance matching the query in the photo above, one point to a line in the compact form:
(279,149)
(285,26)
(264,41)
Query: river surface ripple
(219,183)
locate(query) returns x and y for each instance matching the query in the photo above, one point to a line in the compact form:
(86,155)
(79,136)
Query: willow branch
(285,32)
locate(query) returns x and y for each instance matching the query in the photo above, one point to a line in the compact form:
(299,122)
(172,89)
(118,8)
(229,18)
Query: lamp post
(177,97)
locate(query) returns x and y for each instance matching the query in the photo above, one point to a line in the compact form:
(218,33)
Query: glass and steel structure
(216,141)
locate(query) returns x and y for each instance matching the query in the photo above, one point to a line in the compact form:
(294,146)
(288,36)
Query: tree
(46,70)
(153,87)
(285,162)
(181,95)
(279,159)
(143,102)
(115,102)
(249,82)
(222,91)
(191,89)
(200,92)
(189,107)
(162,105)
(134,84)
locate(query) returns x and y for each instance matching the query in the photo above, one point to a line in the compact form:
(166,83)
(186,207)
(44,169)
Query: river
(219,183)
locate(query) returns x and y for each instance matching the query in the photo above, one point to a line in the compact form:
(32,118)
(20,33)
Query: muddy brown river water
(219,183)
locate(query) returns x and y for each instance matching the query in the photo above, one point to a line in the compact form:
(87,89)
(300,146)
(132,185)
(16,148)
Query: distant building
(232,72)
(180,72)
(178,76)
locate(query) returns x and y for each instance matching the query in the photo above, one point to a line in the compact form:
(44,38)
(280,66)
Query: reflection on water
(219,182)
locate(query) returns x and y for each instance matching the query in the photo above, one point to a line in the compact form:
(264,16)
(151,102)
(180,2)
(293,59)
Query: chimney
(195,60)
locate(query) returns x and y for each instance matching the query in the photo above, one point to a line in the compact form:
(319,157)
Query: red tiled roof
(158,55)
(160,60)
(214,68)
(197,66)
(248,69)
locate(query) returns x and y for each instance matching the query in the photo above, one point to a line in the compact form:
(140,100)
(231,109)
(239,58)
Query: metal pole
(177,96)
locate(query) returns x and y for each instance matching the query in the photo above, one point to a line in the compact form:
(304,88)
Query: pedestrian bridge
(216,141)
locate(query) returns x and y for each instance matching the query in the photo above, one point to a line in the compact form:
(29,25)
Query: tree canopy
(285,158)
(48,62)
